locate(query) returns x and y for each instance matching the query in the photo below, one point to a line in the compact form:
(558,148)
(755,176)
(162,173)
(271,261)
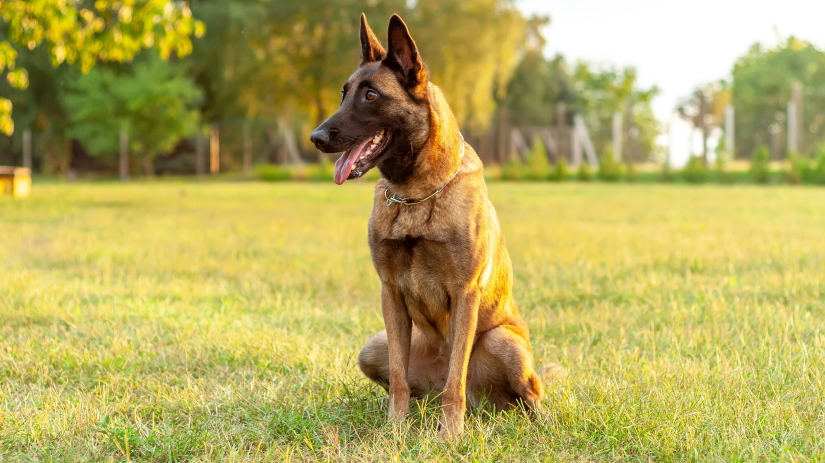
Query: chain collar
(391,198)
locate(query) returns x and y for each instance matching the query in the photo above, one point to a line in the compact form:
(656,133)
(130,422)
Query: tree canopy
(271,60)
(761,88)
(81,32)
(155,102)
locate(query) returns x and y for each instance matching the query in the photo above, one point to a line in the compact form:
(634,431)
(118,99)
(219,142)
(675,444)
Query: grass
(220,322)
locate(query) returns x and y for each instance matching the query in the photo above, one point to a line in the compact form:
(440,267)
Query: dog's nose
(321,137)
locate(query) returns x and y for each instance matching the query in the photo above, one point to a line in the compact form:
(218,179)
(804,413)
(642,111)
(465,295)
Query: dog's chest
(421,270)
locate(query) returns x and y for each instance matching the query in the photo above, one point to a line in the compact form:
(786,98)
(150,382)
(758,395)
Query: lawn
(193,321)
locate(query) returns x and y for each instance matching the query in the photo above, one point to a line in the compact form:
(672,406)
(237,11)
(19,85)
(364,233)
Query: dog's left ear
(402,56)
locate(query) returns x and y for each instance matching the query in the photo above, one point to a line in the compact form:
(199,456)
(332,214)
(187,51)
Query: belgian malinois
(451,321)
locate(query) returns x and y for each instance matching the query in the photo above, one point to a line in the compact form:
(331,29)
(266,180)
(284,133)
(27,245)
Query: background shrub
(537,167)
(272,173)
(609,169)
(513,170)
(584,174)
(695,170)
(760,165)
(561,172)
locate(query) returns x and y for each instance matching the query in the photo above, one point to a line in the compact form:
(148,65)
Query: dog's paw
(448,429)
(448,434)
(398,409)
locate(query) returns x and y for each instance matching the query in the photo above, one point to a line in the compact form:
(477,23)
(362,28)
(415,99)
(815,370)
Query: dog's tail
(552,372)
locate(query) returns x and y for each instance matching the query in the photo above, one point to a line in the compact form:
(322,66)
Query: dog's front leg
(463,321)
(399,331)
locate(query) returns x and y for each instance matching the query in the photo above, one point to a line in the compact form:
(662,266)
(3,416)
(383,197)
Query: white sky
(674,45)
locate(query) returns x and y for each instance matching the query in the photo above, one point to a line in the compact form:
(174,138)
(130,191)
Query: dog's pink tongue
(343,166)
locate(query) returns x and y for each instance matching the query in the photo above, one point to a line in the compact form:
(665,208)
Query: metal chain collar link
(391,198)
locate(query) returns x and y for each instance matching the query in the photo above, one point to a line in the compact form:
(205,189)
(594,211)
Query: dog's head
(384,115)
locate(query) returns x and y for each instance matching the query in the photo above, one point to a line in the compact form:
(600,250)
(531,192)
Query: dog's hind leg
(428,366)
(501,369)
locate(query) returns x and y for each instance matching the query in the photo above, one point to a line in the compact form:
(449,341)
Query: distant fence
(239,144)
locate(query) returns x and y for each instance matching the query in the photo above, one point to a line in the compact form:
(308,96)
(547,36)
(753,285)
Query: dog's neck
(440,156)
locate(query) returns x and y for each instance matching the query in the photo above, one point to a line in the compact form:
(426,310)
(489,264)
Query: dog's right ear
(371,49)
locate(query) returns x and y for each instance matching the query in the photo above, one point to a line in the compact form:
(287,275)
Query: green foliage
(797,168)
(760,165)
(323,171)
(155,103)
(817,174)
(585,173)
(73,31)
(272,173)
(722,173)
(723,155)
(560,171)
(667,173)
(603,91)
(631,173)
(317,47)
(695,170)
(538,166)
(513,170)
(762,86)
(537,86)
(609,169)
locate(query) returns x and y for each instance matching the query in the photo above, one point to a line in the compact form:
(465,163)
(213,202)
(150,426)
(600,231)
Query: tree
(155,104)
(538,84)
(262,58)
(78,32)
(705,110)
(761,89)
(605,91)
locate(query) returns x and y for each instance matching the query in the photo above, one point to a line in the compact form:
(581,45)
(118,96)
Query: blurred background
(544,90)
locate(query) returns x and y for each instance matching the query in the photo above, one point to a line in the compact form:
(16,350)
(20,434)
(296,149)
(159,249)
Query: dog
(451,322)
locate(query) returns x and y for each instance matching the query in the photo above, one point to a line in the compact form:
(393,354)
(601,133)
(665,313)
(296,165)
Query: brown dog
(451,321)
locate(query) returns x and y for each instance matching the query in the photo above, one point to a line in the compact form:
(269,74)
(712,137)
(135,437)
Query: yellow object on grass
(16,181)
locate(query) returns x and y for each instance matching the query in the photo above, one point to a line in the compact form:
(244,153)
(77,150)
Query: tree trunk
(322,109)
(149,164)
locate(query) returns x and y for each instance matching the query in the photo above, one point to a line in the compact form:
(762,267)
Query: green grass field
(221,321)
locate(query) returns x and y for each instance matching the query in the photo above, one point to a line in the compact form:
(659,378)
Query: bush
(631,173)
(321,172)
(584,173)
(817,173)
(667,173)
(513,170)
(722,156)
(695,170)
(722,169)
(538,167)
(797,169)
(760,165)
(272,173)
(609,169)
(560,173)
(491,172)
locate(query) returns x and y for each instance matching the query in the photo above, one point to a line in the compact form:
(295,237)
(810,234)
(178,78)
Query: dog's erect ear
(402,56)
(371,49)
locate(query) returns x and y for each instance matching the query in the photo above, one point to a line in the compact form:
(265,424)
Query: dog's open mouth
(355,162)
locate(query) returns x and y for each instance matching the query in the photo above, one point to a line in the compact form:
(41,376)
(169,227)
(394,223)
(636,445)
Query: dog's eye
(371,95)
